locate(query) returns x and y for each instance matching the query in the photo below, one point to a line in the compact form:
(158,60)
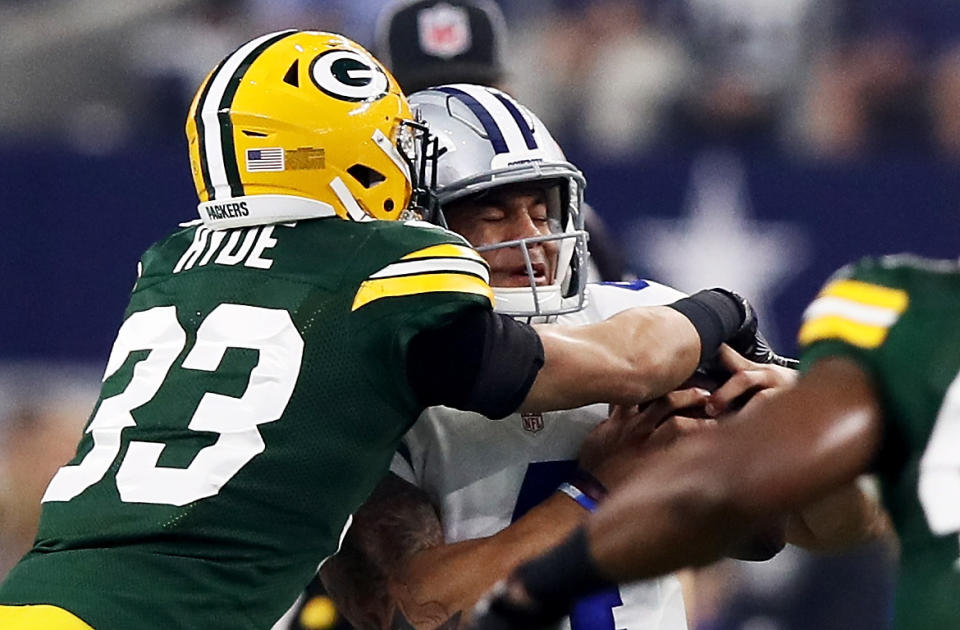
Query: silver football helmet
(486,139)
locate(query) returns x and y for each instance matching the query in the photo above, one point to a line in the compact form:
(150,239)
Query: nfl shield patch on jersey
(531,422)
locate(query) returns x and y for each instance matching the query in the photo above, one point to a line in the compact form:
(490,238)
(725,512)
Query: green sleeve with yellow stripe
(852,315)
(444,268)
(899,319)
(433,277)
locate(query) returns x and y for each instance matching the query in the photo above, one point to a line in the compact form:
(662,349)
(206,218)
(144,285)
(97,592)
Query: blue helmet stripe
(485,118)
(519,119)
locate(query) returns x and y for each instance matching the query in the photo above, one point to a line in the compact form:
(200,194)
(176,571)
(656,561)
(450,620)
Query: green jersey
(254,396)
(899,318)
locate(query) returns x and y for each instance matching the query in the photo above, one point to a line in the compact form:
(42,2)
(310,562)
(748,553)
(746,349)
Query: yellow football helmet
(300,124)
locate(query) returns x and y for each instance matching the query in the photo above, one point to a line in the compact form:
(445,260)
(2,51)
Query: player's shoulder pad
(436,228)
(157,260)
(892,270)
(397,240)
(605,299)
(424,258)
(637,284)
(858,304)
(416,232)
(912,262)
(634,293)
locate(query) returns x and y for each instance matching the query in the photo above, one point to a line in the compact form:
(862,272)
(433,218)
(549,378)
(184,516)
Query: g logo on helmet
(349,75)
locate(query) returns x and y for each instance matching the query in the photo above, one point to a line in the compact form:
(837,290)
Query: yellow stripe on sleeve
(858,313)
(446,250)
(869,294)
(39,617)
(837,327)
(372,290)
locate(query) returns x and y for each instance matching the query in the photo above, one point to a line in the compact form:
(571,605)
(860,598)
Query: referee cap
(432,42)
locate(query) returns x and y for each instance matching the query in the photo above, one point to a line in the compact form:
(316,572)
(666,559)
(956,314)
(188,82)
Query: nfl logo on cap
(432,42)
(444,30)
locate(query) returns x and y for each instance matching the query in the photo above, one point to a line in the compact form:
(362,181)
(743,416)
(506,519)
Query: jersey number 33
(139,479)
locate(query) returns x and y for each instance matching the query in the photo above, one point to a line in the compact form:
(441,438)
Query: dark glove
(750,342)
(758,350)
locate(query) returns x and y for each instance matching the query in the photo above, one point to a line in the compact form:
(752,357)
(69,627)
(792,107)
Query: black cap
(432,42)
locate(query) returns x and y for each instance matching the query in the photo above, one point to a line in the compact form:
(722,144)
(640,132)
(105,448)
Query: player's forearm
(634,356)
(691,511)
(699,496)
(780,452)
(440,582)
(638,532)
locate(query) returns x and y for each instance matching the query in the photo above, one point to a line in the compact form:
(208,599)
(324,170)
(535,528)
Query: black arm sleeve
(482,361)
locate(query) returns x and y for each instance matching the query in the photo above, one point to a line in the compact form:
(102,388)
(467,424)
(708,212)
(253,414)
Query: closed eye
(492,214)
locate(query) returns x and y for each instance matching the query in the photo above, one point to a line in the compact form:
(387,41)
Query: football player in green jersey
(879,393)
(274,352)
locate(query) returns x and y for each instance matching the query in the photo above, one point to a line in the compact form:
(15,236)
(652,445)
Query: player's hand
(746,380)
(750,342)
(611,448)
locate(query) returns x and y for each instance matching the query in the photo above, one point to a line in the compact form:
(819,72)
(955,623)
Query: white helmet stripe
(526,128)
(207,115)
(512,135)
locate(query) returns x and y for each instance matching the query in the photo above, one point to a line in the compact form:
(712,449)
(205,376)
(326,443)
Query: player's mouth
(517,276)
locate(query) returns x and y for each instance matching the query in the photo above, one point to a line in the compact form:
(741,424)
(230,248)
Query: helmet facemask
(562,293)
(419,150)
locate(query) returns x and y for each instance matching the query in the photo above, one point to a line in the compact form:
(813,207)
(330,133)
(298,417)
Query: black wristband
(715,314)
(561,576)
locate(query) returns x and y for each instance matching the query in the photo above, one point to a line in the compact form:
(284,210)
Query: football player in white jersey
(468,500)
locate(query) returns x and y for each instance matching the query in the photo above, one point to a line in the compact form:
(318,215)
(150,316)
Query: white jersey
(482,475)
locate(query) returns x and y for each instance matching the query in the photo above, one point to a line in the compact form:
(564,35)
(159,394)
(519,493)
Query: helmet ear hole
(292,77)
(366,176)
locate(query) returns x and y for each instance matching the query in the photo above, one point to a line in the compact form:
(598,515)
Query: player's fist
(749,341)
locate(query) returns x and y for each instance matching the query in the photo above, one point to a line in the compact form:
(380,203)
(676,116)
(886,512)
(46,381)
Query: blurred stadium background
(756,144)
